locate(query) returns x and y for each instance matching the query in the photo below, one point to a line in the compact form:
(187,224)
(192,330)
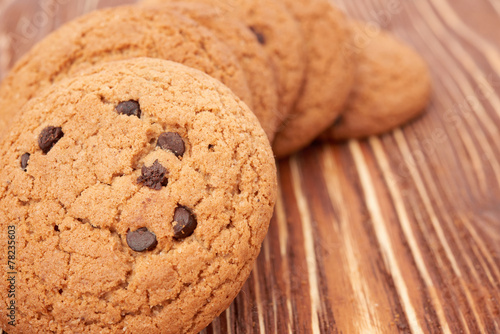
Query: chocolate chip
(339,120)
(129,108)
(260,37)
(172,141)
(24,161)
(184,223)
(141,240)
(153,177)
(49,137)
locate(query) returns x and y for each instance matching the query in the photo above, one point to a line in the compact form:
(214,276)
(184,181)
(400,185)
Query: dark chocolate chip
(24,161)
(141,240)
(184,223)
(172,141)
(339,120)
(129,108)
(153,177)
(49,137)
(260,37)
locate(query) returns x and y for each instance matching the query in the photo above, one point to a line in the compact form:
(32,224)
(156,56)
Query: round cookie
(114,34)
(139,193)
(329,74)
(392,85)
(248,51)
(280,35)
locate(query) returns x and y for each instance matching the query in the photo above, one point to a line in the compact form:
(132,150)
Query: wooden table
(399,233)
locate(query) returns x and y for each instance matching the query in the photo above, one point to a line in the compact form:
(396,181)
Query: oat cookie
(114,34)
(392,85)
(329,74)
(142,204)
(249,52)
(280,35)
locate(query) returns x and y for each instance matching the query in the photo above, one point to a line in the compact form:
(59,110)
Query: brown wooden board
(394,234)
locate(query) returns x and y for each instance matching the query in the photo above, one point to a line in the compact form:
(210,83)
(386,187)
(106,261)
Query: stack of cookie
(137,173)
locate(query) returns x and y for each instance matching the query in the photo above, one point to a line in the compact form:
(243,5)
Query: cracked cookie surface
(114,34)
(99,251)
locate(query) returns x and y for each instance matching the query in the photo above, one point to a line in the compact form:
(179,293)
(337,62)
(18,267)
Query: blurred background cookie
(249,52)
(114,34)
(280,35)
(329,74)
(392,85)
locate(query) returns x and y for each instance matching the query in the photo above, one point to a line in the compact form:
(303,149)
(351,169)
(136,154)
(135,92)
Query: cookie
(114,34)
(279,34)
(248,51)
(117,230)
(329,74)
(392,85)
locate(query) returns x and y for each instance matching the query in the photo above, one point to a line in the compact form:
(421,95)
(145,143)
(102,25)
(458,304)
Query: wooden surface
(396,234)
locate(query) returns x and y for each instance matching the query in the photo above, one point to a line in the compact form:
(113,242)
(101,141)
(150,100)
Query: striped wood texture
(395,234)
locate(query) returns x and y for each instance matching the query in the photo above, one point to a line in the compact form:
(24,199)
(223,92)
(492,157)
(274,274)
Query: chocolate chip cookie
(114,34)
(392,86)
(139,192)
(248,51)
(329,74)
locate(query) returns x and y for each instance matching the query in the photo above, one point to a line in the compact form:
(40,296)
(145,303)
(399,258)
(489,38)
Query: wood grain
(394,234)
